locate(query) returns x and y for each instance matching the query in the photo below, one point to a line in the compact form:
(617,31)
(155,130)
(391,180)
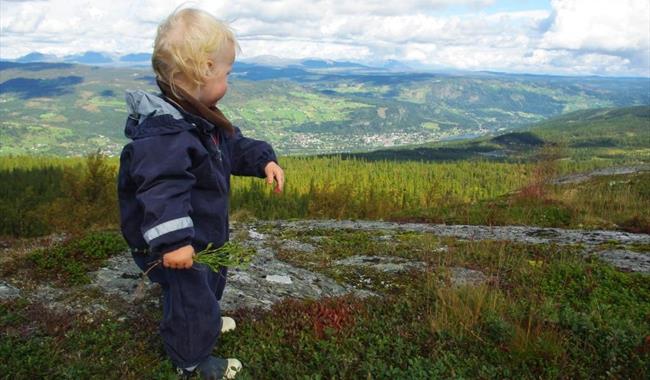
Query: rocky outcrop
(120,277)
(583,177)
(627,260)
(521,234)
(8,292)
(269,279)
(382,263)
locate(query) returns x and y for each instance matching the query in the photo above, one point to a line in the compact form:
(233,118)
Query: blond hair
(184,44)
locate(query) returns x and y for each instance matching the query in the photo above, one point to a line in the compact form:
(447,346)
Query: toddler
(174,181)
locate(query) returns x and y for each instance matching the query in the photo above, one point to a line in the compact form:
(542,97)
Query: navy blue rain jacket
(174,177)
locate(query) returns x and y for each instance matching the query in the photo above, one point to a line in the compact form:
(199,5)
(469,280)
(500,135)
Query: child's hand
(180,258)
(273,171)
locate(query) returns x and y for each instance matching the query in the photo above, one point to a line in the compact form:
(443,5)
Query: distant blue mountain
(36,57)
(256,72)
(137,57)
(322,64)
(252,71)
(392,64)
(266,68)
(89,57)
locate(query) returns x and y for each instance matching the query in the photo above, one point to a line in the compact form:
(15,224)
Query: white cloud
(600,36)
(305,49)
(577,37)
(600,25)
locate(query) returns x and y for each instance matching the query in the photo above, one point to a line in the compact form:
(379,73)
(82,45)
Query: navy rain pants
(191,322)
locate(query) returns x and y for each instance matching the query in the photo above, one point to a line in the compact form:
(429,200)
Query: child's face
(216,84)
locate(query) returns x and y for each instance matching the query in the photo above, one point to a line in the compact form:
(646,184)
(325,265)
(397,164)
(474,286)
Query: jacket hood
(151,115)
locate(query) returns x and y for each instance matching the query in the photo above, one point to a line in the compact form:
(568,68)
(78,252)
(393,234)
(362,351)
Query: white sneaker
(227,324)
(234,366)
(213,368)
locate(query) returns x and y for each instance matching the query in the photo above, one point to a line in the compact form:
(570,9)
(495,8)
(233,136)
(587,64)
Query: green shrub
(88,200)
(23,192)
(40,343)
(69,261)
(101,244)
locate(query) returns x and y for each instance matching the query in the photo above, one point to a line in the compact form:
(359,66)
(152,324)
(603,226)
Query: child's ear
(210,66)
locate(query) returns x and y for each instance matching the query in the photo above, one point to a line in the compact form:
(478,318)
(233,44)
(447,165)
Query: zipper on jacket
(215,141)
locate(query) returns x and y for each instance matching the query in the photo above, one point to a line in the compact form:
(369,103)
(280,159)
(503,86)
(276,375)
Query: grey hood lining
(142,105)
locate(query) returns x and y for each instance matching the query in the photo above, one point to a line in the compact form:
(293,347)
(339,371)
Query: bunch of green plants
(68,261)
(232,255)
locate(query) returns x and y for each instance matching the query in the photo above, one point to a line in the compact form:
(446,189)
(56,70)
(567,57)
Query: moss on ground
(67,263)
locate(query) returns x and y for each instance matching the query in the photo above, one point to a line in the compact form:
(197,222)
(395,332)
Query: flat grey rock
(269,280)
(120,276)
(67,300)
(464,276)
(279,279)
(255,235)
(294,245)
(389,264)
(627,260)
(589,239)
(8,292)
(582,177)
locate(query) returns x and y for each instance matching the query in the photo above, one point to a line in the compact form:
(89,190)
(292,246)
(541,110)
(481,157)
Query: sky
(567,37)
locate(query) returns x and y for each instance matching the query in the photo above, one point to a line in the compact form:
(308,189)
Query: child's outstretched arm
(250,157)
(160,167)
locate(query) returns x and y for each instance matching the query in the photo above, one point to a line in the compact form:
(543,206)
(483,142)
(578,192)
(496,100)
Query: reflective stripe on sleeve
(167,227)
